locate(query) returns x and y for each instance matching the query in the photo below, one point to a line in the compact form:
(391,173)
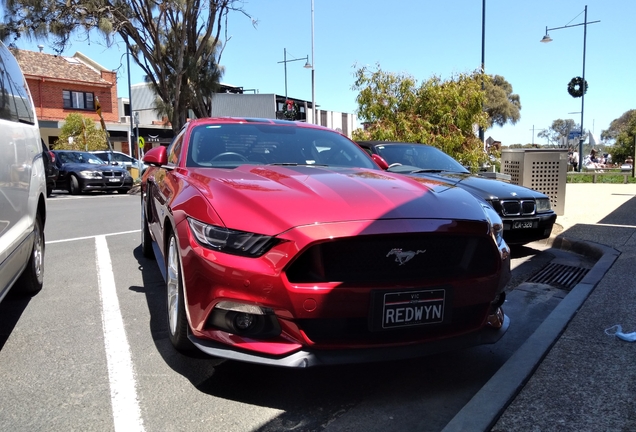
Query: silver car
(22,184)
(118,158)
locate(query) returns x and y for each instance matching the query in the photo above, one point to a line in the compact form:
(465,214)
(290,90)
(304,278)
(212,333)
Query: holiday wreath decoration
(577,87)
(289,110)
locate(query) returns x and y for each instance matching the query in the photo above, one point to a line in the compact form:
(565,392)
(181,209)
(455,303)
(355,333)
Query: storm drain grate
(560,276)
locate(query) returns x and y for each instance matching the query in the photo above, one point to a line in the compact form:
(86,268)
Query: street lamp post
(547,39)
(136,121)
(313,64)
(130,105)
(285,61)
(483,62)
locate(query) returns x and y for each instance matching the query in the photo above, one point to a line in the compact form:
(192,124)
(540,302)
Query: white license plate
(114,180)
(413,308)
(522,224)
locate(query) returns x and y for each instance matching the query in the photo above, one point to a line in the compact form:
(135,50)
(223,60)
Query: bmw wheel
(73,185)
(177,320)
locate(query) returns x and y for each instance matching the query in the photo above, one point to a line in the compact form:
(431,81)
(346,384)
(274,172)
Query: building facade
(63,85)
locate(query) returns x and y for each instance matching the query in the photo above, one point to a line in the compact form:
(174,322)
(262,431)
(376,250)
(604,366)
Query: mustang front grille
(395,258)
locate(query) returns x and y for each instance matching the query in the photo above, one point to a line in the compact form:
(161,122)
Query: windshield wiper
(427,170)
(295,164)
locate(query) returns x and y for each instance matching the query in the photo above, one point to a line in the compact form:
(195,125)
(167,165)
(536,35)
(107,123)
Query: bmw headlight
(231,241)
(543,205)
(496,224)
(91,174)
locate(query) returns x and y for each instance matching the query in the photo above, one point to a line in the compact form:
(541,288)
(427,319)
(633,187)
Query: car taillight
(52,156)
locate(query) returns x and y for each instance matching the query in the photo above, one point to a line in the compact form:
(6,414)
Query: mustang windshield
(231,145)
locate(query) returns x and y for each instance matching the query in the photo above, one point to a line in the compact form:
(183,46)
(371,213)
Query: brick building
(63,85)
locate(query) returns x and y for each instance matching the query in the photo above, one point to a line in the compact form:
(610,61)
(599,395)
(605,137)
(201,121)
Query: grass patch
(600,178)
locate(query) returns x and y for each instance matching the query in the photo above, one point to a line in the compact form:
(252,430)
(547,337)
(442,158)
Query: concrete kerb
(484,409)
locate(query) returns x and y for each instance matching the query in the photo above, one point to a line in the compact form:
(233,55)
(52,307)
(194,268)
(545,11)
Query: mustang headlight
(91,174)
(496,225)
(231,241)
(543,205)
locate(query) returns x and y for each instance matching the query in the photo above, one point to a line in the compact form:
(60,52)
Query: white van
(22,184)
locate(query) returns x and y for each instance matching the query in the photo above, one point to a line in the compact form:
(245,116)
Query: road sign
(142,142)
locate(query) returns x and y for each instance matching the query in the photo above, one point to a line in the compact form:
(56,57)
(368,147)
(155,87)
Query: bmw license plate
(114,180)
(522,224)
(412,308)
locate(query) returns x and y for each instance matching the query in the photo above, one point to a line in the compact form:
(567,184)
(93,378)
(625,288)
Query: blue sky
(426,38)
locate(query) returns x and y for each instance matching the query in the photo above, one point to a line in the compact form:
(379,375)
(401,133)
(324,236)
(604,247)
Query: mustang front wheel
(177,320)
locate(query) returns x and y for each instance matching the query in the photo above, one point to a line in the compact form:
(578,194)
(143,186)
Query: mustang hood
(483,187)
(272,199)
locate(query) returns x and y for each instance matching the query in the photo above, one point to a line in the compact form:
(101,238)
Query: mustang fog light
(243,321)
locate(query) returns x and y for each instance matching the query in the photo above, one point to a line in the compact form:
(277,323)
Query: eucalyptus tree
(502,105)
(560,130)
(441,112)
(623,131)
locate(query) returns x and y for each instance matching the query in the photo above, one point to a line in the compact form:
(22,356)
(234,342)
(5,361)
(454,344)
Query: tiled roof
(56,67)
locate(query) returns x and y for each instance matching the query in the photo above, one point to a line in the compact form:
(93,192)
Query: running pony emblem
(402,257)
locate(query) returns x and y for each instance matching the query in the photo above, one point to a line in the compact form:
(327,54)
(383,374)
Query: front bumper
(105,184)
(327,322)
(541,228)
(309,358)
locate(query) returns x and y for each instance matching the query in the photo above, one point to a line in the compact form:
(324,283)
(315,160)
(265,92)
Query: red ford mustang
(284,243)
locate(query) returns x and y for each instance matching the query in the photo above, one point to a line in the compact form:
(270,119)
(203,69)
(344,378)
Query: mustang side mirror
(156,156)
(380,161)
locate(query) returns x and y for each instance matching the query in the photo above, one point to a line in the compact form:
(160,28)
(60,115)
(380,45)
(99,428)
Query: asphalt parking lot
(57,349)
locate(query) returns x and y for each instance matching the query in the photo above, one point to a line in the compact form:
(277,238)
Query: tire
(146,239)
(30,281)
(73,185)
(175,305)
(49,191)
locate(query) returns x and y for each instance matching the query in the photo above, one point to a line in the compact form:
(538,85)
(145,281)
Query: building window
(78,100)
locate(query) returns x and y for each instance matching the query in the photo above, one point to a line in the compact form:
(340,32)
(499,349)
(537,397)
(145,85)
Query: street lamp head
(547,37)
(307,64)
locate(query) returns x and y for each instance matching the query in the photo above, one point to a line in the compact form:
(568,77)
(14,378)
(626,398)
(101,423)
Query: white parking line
(121,375)
(90,237)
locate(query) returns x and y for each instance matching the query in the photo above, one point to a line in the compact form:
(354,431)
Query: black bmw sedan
(527,214)
(81,171)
